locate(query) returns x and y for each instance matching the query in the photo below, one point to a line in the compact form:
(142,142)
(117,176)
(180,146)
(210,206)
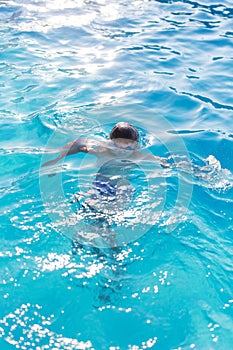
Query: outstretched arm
(163,162)
(79,145)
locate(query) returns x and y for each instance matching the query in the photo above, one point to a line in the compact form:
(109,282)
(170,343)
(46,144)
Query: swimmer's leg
(77,246)
(98,220)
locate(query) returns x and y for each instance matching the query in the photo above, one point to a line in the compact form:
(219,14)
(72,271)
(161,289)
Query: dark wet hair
(124,131)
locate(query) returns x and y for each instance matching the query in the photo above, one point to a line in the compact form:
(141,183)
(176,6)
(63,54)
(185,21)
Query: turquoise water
(74,68)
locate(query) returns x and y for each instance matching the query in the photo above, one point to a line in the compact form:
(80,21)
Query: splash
(213,176)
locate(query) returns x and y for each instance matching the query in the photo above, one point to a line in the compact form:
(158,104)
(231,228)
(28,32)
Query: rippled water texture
(74,68)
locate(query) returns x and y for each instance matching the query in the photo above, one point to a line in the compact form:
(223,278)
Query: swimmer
(112,190)
(123,144)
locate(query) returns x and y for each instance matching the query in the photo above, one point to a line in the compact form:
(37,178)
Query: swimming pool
(74,68)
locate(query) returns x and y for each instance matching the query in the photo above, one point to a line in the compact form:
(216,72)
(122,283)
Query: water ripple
(208,100)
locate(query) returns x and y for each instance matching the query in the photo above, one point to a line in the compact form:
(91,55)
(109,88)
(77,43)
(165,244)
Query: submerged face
(125,144)
(123,147)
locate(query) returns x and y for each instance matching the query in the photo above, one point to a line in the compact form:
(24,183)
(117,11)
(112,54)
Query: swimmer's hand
(53,161)
(165,164)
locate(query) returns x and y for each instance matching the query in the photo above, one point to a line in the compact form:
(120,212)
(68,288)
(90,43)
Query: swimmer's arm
(77,146)
(167,163)
(163,162)
(183,166)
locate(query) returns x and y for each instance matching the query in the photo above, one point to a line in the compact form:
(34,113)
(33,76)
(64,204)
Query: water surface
(74,68)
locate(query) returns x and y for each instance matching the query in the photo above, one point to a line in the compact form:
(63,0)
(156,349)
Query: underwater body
(73,69)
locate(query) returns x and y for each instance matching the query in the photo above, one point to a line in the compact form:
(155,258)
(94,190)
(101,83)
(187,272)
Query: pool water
(73,69)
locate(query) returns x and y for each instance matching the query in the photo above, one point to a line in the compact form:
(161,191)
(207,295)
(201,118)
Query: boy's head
(124,130)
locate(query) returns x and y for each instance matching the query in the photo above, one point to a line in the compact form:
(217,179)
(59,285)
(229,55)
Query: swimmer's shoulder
(96,147)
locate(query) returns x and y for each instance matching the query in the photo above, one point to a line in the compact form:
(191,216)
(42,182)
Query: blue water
(75,68)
